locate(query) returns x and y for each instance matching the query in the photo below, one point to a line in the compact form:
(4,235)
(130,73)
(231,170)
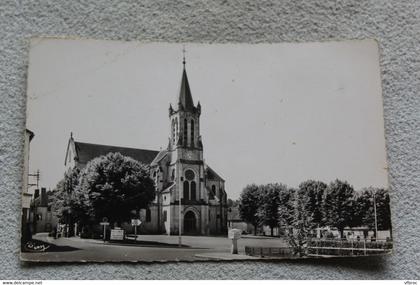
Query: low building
(41,216)
(235,221)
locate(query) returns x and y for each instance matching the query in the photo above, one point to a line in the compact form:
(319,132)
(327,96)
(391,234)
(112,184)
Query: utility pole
(374,210)
(36,175)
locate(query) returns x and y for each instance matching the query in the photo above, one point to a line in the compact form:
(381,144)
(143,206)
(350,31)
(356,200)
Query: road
(94,250)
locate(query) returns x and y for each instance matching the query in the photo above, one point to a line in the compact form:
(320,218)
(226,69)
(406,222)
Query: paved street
(195,248)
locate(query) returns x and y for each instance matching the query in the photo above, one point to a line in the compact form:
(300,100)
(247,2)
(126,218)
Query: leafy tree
(66,203)
(365,214)
(249,203)
(338,205)
(310,196)
(286,208)
(383,209)
(363,209)
(115,185)
(61,201)
(268,212)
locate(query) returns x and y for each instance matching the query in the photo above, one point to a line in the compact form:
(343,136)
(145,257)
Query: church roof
(185,98)
(159,157)
(88,151)
(168,187)
(211,174)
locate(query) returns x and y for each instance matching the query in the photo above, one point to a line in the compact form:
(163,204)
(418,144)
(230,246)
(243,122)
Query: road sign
(104,223)
(135,222)
(117,234)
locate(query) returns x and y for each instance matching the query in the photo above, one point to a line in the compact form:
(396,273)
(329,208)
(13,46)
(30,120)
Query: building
(26,196)
(42,218)
(235,221)
(190,195)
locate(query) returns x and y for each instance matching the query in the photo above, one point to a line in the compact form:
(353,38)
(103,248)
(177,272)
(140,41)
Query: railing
(269,251)
(322,247)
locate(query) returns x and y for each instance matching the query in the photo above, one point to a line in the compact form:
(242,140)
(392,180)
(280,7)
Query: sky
(270,112)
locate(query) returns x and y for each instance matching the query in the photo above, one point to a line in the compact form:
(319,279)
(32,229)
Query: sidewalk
(225,256)
(130,242)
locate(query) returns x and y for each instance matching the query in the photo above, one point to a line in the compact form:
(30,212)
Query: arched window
(173,174)
(192,133)
(212,192)
(193,191)
(148,215)
(186,190)
(185,131)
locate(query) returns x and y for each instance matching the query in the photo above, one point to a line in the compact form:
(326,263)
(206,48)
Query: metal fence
(325,247)
(330,247)
(269,251)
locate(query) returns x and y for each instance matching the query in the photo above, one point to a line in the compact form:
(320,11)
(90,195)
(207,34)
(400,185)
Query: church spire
(183,56)
(185,101)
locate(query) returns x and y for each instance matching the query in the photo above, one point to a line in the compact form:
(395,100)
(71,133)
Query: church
(190,195)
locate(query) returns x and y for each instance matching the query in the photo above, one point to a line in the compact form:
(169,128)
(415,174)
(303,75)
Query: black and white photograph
(160,152)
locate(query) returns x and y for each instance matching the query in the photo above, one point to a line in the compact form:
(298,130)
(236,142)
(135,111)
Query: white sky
(270,112)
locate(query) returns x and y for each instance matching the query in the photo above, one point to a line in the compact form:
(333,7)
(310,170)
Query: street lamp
(374,211)
(180,221)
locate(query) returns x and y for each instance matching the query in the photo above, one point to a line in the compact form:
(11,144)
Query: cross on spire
(183,55)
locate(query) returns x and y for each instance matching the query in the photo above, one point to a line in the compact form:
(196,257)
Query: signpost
(117,234)
(234,235)
(135,223)
(104,223)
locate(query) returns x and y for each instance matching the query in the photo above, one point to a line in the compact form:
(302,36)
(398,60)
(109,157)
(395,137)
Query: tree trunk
(255,229)
(272,231)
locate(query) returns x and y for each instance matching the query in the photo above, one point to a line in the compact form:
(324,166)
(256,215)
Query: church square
(191,152)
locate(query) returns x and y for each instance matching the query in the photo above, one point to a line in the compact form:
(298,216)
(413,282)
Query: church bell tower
(187,165)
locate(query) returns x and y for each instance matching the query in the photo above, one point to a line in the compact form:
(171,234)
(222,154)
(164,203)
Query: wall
(395,24)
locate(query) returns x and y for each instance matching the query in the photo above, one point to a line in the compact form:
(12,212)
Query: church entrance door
(190,223)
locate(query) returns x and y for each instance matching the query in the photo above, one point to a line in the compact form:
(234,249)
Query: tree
(268,212)
(232,203)
(383,209)
(61,198)
(310,197)
(363,209)
(365,214)
(115,185)
(338,205)
(66,202)
(249,203)
(286,210)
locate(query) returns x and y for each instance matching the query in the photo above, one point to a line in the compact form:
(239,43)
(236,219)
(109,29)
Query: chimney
(44,198)
(36,194)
